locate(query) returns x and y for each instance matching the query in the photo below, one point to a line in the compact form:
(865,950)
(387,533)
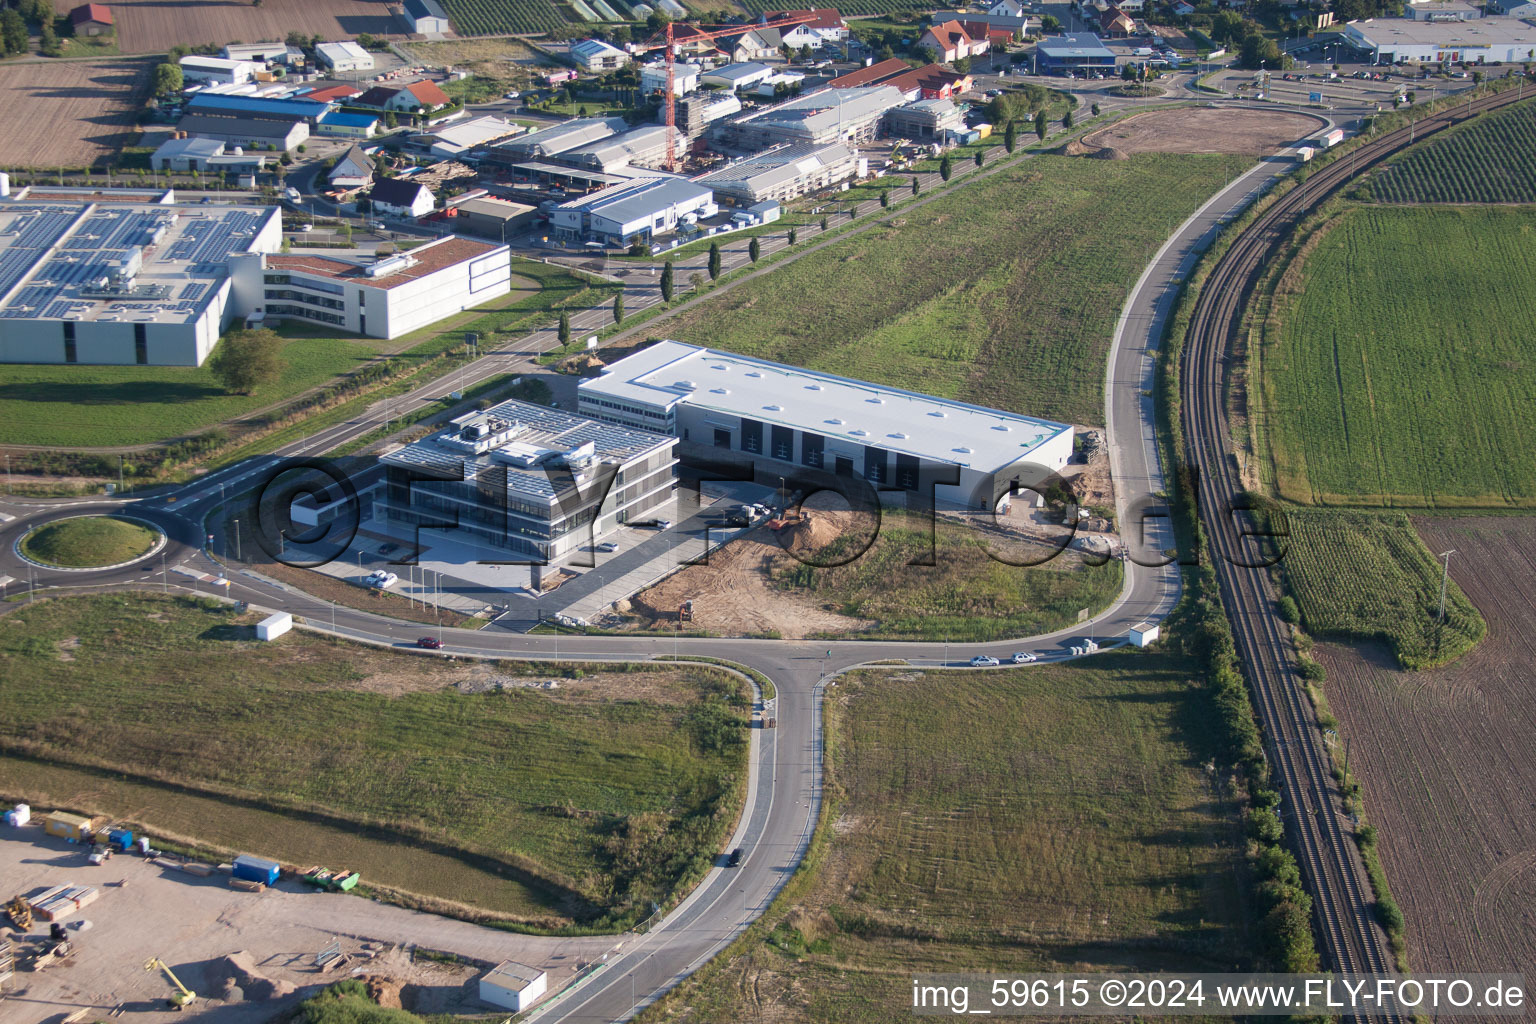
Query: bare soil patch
(1444,760)
(1202,130)
(153,26)
(88,109)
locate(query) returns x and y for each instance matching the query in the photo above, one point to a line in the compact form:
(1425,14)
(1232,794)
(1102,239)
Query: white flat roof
(671,373)
(1494,31)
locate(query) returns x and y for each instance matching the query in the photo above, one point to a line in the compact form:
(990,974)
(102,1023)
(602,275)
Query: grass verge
(88,542)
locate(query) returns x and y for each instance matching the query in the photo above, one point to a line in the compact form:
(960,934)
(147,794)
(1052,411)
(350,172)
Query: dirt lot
(87,106)
(506,60)
(1202,130)
(153,26)
(193,923)
(1444,758)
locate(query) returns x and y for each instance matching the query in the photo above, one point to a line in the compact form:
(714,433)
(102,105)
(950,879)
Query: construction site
(99,925)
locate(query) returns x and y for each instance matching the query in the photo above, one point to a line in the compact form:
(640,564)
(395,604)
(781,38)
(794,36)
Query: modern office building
(783,173)
(536,482)
(1076,51)
(926,119)
(782,417)
(140,280)
(382,297)
(632,212)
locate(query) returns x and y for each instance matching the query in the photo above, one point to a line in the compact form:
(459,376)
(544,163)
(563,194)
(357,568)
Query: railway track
(1353,942)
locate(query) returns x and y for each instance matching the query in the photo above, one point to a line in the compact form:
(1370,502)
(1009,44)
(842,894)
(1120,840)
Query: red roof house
(91,19)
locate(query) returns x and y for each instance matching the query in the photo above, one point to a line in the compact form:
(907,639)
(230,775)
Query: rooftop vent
(940,413)
(720,391)
(877,400)
(963,450)
(720,366)
(898,435)
(774,408)
(1005,428)
(836,421)
(859,432)
(753,373)
(685,385)
(813,387)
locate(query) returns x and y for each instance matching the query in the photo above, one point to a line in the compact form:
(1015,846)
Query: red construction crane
(711,33)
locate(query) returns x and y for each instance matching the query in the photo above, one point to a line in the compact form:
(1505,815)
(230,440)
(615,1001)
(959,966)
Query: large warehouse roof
(776,166)
(618,150)
(1074,44)
(825,110)
(672,373)
(148,263)
(561,137)
(1387,33)
(637,200)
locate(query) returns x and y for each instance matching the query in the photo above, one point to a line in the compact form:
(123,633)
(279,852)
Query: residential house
(596,55)
(1184,9)
(753,44)
(92,20)
(1011,8)
(352,170)
(1115,22)
(826,28)
(400,197)
(949,42)
(417,96)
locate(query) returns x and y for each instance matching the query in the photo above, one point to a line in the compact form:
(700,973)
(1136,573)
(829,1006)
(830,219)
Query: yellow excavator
(183,997)
(20,912)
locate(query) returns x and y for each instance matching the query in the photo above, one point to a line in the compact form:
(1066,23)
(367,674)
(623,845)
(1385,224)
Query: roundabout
(90,543)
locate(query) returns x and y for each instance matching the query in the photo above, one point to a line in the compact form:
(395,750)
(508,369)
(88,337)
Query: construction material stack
(61,901)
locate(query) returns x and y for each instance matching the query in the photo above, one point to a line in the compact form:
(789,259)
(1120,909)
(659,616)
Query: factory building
(377,297)
(216,70)
(831,115)
(783,173)
(596,56)
(190,154)
(538,483)
(490,217)
(454,140)
(134,282)
(276,134)
(1480,41)
(298,108)
(1077,51)
(634,211)
(701,109)
(926,119)
(640,147)
(737,76)
(427,17)
(548,142)
(790,421)
(344,56)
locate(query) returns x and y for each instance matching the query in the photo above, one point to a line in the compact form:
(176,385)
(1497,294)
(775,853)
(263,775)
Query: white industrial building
(784,172)
(1480,41)
(216,70)
(633,211)
(653,79)
(548,142)
(537,482)
(257,53)
(427,17)
(1442,10)
(830,115)
(136,282)
(594,55)
(454,140)
(379,297)
(781,417)
(512,986)
(344,56)
(640,147)
(737,76)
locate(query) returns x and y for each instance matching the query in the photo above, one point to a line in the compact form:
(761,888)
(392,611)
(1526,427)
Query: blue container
(121,838)
(256,869)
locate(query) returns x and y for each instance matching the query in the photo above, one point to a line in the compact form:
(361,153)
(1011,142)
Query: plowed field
(88,108)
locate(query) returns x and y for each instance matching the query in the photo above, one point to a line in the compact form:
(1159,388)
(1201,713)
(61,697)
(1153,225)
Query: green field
(1402,367)
(507,17)
(966,595)
(1045,819)
(598,797)
(1004,293)
(1491,159)
(58,406)
(88,542)
(1366,575)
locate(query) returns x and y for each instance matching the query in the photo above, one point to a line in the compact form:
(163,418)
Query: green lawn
(1402,369)
(1005,293)
(1045,819)
(1366,575)
(597,797)
(88,541)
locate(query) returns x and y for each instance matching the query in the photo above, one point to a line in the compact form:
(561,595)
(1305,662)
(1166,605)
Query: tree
(714,261)
(48,39)
(1257,51)
(754,250)
(1288,609)
(1040,125)
(885,198)
(245,360)
(917,186)
(1010,136)
(963,65)
(618,308)
(823,225)
(168,81)
(565,327)
(583,111)
(946,167)
(805,52)
(1095,110)
(793,235)
(978,158)
(666,282)
(1050,23)
(1066,119)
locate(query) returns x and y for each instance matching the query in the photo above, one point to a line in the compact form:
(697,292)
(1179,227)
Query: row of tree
(14,37)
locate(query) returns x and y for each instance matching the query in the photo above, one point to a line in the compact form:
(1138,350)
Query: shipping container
(73,827)
(256,869)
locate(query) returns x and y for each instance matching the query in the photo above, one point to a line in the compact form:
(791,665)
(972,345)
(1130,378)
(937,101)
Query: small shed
(91,20)
(766,212)
(256,869)
(73,827)
(274,626)
(1144,633)
(513,986)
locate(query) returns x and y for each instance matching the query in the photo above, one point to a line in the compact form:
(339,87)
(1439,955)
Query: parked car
(734,859)
(382,580)
(984,661)
(430,643)
(607,546)
(1023,657)
(385,549)
(662,524)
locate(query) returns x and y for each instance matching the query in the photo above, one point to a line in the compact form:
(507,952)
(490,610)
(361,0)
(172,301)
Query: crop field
(507,17)
(89,108)
(994,294)
(144,404)
(1402,370)
(1443,759)
(595,797)
(1365,575)
(1490,160)
(1044,819)
(153,26)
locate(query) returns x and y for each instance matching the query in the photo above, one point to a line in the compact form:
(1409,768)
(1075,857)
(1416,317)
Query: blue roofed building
(1076,51)
(308,111)
(351,126)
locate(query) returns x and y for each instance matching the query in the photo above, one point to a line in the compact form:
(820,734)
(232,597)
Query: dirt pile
(1073,148)
(383,990)
(239,971)
(1109,153)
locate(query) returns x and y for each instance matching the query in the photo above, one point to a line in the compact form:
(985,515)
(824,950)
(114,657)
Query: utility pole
(1445,573)
(239,557)
(119,474)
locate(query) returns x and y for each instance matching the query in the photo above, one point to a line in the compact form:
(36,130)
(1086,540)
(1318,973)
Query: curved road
(784,793)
